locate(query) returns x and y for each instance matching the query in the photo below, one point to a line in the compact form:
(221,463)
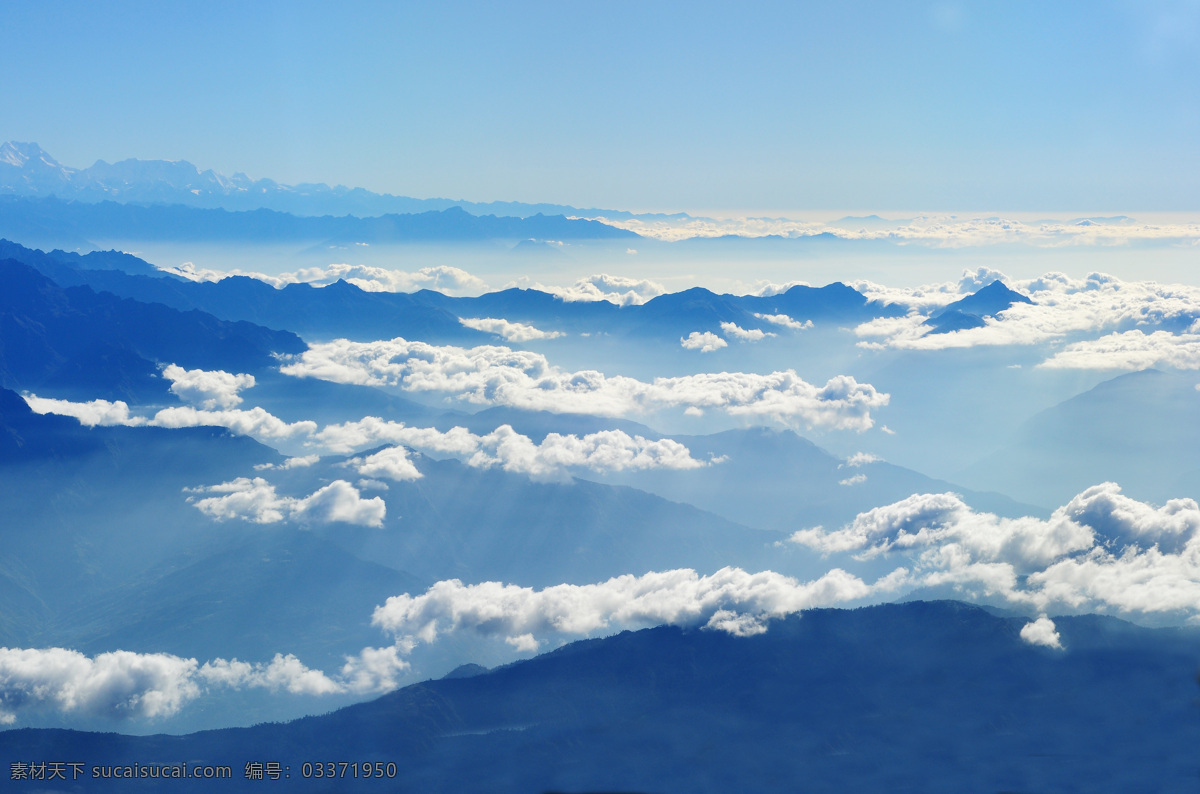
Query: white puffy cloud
(207,389)
(89,414)
(607,450)
(612,450)
(255,422)
(944,520)
(510,331)
(764,289)
(706,342)
(282,672)
(1130,350)
(128,685)
(752,335)
(495,375)
(785,321)
(298,462)
(1102,551)
(256,500)
(730,600)
(857,479)
(602,287)
(392,463)
(373,670)
(117,684)
(1041,632)
(445,279)
(860,459)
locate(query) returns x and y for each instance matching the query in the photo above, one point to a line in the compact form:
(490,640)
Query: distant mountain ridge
(54,222)
(27,170)
(343,309)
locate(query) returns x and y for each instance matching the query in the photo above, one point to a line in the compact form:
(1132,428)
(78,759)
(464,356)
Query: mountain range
(29,171)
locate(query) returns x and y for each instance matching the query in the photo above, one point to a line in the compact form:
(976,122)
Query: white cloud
(604,451)
(128,685)
(932,230)
(785,321)
(392,463)
(255,422)
(607,450)
(1101,552)
(89,414)
(256,500)
(1130,350)
(730,600)
(511,332)
(373,670)
(283,672)
(857,479)
(765,289)
(299,462)
(860,459)
(207,389)
(1041,632)
(445,279)
(117,684)
(495,375)
(1062,308)
(602,287)
(706,342)
(737,332)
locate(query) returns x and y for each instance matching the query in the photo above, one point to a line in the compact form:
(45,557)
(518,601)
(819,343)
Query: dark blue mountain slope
(105,509)
(986,301)
(929,696)
(99,345)
(340,309)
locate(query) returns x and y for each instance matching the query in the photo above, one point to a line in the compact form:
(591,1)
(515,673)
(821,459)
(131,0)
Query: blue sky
(698,106)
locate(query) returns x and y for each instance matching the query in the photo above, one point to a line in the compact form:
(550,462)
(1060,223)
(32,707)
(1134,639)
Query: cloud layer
(207,389)
(610,450)
(495,375)
(255,500)
(509,331)
(729,600)
(128,685)
(1101,552)
(735,331)
(1132,324)
(607,450)
(706,342)
(944,231)
(603,287)
(449,280)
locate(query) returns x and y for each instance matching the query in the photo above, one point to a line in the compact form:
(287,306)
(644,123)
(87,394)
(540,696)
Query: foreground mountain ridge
(872,699)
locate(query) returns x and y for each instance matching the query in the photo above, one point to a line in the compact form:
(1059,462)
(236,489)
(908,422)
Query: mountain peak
(986,302)
(21,155)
